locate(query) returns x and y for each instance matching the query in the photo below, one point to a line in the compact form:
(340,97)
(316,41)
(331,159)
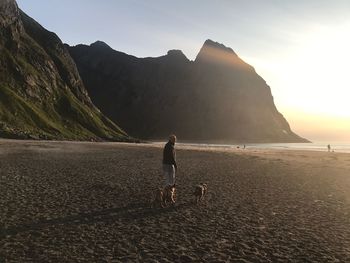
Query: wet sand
(89,202)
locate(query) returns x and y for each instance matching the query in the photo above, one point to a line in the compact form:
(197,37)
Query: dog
(169,195)
(200,192)
(158,198)
(164,197)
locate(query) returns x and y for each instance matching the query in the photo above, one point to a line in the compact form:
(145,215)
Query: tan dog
(158,198)
(169,195)
(164,197)
(199,192)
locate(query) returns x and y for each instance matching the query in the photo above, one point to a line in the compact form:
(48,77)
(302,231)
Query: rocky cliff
(41,92)
(218,97)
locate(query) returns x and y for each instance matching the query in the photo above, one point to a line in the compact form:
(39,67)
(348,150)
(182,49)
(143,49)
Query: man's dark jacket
(169,156)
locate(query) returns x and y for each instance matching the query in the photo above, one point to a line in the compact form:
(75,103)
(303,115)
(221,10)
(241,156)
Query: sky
(301,47)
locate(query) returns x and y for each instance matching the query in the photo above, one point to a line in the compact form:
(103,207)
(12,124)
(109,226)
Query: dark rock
(218,97)
(100,44)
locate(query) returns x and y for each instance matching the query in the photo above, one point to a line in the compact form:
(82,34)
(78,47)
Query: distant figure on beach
(244,146)
(329,147)
(169,162)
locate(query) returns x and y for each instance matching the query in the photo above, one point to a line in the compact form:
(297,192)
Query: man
(169,161)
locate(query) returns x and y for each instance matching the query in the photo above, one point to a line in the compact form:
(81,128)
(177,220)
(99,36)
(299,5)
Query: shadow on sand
(129,212)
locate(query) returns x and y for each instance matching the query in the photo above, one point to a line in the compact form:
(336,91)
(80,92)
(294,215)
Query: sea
(314,146)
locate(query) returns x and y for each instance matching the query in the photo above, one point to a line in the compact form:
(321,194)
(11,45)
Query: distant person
(169,162)
(329,147)
(244,146)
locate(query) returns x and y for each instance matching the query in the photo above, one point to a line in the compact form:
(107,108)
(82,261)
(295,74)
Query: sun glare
(321,72)
(310,82)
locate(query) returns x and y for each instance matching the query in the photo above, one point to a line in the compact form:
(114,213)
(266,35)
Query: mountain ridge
(41,93)
(215,97)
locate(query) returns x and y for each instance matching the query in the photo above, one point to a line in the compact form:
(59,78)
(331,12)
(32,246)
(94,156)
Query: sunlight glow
(319,72)
(221,56)
(311,83)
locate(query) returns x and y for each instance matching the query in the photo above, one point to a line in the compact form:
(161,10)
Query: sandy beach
(89,202)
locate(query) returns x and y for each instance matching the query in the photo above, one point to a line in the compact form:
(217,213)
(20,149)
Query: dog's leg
(173,197)
(162,202)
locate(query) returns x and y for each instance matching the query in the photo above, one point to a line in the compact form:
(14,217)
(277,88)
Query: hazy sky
(301,48)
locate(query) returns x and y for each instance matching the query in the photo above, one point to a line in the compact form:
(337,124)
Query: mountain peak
(100,44)
(217,45)
(177,54)
(9,12)
(212,51)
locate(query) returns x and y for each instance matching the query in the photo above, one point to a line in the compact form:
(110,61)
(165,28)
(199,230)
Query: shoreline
(337,159)
(319,147)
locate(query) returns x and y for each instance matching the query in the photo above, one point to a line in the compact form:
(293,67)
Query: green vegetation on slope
(41,93)
(67,119)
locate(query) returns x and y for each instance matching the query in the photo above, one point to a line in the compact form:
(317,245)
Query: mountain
(41,93)
(216,98)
